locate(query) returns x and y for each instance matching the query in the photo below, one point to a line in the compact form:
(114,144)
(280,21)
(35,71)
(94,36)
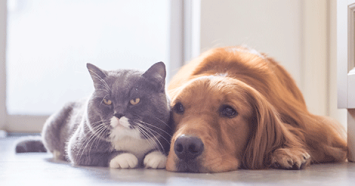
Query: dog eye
(228,111)
(179,108)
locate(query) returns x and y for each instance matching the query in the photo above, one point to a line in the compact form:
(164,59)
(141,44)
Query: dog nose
(188,147)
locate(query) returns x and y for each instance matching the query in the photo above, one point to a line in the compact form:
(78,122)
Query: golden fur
(273,127)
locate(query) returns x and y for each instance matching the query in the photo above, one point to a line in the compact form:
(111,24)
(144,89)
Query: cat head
(130,103)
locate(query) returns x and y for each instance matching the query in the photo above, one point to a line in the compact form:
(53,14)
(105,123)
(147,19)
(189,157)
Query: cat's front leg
(155,160)
(124,161)
(87,152)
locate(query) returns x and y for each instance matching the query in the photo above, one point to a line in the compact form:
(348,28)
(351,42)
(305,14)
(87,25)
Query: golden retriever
(236,108)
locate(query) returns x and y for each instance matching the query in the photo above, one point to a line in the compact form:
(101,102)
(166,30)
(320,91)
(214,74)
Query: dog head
(221,124)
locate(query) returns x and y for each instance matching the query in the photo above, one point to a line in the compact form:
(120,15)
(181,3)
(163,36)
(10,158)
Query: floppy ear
(97,75)
(268,133)
(156,74)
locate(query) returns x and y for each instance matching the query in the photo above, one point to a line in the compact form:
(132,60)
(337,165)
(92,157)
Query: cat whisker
(162,121)
(95,134)
(165,139)
(99,133)
(101,137)
(148,130)
(142,122)
(90,146)
(155,141)
(90,138)
(145,134)
(99,125)
(94,137)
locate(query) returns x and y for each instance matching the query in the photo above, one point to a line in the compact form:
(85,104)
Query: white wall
(58,50)
(334,112)
(273,27)
(2,63)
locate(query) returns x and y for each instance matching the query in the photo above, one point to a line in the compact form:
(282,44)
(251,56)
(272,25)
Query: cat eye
(179,108)
(228,111)
(135,101)
(107,101)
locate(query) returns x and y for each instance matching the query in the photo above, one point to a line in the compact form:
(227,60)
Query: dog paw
(155,160)
(124,161)
(288,158)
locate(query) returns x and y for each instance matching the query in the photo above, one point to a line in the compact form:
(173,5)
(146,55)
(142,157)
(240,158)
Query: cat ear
(157,74)
(97,75)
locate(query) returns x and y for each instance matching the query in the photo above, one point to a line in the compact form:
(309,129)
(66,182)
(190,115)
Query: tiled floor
(40,169)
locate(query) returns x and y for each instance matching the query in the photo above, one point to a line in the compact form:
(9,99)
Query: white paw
(124,161)
(155,160)
(56,155)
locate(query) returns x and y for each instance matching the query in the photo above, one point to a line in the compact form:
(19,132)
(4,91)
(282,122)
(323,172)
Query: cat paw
(155,160)
(56,155)
(288,158)
(124,161)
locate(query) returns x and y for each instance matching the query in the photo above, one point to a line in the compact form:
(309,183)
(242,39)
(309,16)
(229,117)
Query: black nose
(118,115)
(188,147)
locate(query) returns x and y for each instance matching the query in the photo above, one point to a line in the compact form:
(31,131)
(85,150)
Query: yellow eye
(135,101)
(107,101)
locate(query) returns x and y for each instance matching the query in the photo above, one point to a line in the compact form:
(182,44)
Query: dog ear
(268,133)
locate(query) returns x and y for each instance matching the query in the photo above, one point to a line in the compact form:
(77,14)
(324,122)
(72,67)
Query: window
(48,44)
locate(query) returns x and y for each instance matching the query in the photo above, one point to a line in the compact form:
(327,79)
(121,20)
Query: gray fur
(30,144)
(80,131)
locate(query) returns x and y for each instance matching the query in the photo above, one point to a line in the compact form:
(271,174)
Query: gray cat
(123,124)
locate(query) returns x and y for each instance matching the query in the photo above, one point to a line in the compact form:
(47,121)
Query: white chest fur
(124,138)
(138,147)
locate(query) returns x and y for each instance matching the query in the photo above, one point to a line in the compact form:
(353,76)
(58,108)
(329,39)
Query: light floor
(40,169)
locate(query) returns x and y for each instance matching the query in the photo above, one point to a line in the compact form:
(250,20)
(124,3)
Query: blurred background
(45,44)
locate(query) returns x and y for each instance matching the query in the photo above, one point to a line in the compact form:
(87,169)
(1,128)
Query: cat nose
(118,115)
